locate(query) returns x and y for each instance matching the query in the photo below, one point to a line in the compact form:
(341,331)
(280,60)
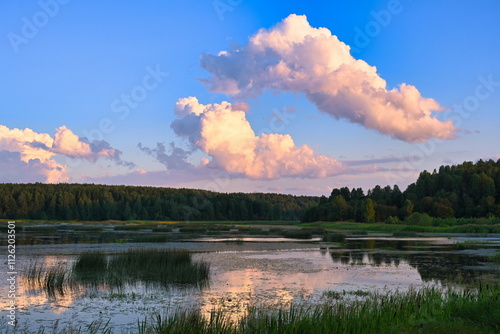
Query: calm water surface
(253,271)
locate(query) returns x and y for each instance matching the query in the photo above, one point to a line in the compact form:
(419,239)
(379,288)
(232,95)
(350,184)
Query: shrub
(420,219)
(392,220)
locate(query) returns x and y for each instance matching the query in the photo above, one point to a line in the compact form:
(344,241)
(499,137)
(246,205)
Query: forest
(92,202)
(460,191)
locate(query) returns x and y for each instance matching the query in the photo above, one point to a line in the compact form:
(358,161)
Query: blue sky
(82,57)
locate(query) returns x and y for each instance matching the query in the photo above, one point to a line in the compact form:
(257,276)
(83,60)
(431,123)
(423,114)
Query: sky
(290,97)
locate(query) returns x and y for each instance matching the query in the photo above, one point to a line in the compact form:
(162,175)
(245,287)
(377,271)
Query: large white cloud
(32,154)
(223,132)
(295,57)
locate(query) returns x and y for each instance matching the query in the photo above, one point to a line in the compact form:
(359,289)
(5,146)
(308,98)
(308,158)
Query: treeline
(103,202)
(461,191)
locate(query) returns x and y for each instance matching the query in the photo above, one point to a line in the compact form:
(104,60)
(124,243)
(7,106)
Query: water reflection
(434,261)
(267,275)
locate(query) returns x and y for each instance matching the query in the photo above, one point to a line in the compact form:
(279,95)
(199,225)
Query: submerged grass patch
(404,234)
(297,234)
(334,237)
(156,266)
(495,258)
(471,244)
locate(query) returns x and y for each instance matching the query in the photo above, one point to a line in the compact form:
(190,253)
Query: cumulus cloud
(295,57)
(222,131)
(176,159)
(14,169)
(32,153)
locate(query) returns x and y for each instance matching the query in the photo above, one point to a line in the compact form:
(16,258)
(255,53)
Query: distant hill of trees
(103,202)
(461,191)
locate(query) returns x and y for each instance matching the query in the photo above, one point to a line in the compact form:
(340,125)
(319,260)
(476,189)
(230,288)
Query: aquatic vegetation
(297,234)
(162,229)
(156,266)
(471,244)
(359,232)
(133,227)
(495,258)
(404,234)
(40,229)
(334,237)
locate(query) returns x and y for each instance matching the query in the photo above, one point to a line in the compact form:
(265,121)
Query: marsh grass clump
(333,294)
(96,269)
(193,229)
(51,279)
(404,234)
(131,227)
(40,229)
(495,258)
(297,234)
(162,229)
(359,232)
(90,268)
(163,266)
(471,244)
(257,231)
(86,228)
(314,230)
(149,238)
(334,237)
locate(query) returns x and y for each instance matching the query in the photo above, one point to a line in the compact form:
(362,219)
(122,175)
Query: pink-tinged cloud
(295,57)
(69,144)
(32,154)
(223,132)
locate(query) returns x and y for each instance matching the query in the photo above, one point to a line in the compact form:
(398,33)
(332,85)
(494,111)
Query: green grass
(470,244)
(428,310)
(334,237)
(134,227)
(361,232)
(162,229)
(495,258)
(193,229)
(157,266)
(160,266)
(40,229)
(51,279)
(297,234)
(85,228)
(404,234)
(389,228)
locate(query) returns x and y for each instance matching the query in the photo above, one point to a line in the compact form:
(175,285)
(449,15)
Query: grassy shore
(462,225)
(388,228)
(425,311)
(428,310)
